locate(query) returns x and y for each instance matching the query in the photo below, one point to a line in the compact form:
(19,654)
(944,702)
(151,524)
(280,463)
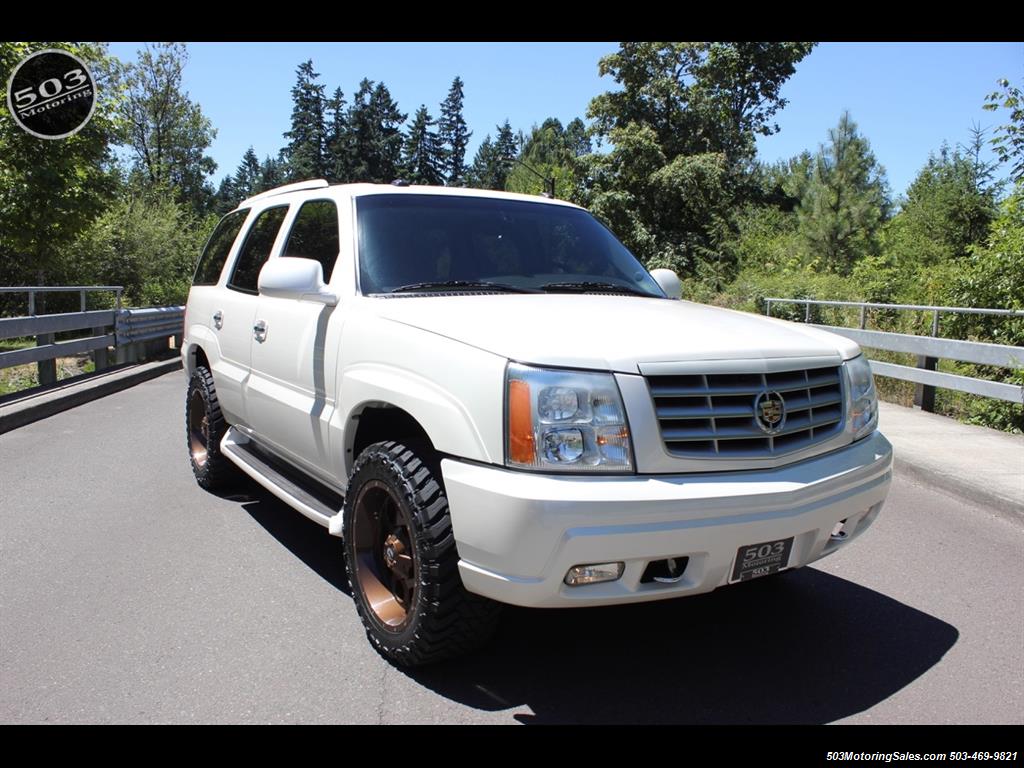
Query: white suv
(492,401)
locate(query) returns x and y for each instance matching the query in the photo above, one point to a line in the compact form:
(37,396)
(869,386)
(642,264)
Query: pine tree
(272,174)
(247,175)
(423,159)
(361,133)
(845,202)
(454,135)
(338,147)
(387,121)
(481,173)
(307,139)
(506,150)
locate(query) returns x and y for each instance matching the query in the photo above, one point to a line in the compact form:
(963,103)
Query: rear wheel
(204,428)
(402,564)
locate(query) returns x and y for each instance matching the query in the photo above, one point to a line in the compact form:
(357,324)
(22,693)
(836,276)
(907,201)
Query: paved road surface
(129,595)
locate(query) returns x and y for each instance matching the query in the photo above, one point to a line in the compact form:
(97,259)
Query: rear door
(235,311)
(290,395)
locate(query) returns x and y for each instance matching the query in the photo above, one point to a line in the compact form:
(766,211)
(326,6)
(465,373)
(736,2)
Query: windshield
(411,243)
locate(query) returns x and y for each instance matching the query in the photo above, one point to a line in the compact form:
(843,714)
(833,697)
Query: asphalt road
(127,594)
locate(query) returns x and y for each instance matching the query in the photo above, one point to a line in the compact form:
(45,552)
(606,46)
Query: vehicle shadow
(804,647)
(801,647)
(305,539)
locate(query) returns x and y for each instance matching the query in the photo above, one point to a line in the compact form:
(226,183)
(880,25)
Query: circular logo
(51,94)
(770,412)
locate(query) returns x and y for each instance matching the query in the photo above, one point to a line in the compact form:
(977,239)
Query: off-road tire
(440,619)
(212,469)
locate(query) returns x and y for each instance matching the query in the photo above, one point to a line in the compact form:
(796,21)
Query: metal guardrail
(131,332)
(929,350)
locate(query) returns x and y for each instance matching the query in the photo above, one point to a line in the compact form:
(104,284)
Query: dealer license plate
(762,559)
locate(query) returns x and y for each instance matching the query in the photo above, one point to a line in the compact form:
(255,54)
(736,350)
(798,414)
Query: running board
(242,452)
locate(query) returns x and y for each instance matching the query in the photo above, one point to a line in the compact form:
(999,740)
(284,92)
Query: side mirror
(291,278)
(669,282)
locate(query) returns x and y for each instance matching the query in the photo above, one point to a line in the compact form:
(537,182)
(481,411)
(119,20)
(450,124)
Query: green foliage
(51,190)
(148,243)
(682,129)
(697,97)
(993,276)
(306,151)
(494,160)
(1008,141)
(423,159)
(454,135)
(167,132)
(552,151)
(844,202)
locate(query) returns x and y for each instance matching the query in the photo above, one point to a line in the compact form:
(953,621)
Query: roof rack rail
(296,187)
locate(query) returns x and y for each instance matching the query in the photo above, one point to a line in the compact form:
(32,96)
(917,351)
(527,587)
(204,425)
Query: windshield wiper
(445,285)
(595,287)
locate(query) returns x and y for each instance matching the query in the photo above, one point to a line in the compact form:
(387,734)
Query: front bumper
(518,533)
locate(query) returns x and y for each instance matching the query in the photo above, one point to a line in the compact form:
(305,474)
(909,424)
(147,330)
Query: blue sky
(907,98)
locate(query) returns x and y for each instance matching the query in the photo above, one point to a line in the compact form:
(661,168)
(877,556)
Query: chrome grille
(712,415)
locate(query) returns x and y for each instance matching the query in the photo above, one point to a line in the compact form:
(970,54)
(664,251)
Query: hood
(600,332)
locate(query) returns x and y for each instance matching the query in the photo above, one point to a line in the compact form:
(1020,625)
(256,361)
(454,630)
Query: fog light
(579,575)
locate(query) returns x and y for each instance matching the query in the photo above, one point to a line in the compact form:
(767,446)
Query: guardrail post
(924,394)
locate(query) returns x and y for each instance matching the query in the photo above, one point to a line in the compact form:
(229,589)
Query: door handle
(218,319)
(259,331)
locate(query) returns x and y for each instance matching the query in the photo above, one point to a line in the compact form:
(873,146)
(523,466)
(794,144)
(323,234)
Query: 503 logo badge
(51,94)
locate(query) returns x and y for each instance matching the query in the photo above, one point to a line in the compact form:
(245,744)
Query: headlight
(863,414)
(565,421)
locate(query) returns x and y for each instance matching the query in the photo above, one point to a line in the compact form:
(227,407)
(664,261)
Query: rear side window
(314,235)
(256,249)
(211,262)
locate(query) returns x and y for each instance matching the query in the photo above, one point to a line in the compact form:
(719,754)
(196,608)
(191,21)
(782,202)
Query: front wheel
(402,564)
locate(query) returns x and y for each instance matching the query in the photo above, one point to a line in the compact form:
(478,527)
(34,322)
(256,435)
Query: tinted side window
(256,248)
(314,235)
(211,262)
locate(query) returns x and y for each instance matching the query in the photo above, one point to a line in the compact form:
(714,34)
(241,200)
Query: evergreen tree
(387,123)
(374,125)
(506,150)
(845,202)
(481,173)
(272,174)
(247,176)
(423,160)
(339,160)
(454,135)
(306,150)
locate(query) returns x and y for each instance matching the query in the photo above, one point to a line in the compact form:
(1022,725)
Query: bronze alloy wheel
(385,562)
(402,562)
(198,428)
(204,429)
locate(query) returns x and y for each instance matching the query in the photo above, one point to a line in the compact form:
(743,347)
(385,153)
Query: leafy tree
(51,190)
(682,127)
(697,97)
(1008,141)
(845,202)
(423,160)
(454,135)
(167,132)
(481,173)
(306,151)
(147,242)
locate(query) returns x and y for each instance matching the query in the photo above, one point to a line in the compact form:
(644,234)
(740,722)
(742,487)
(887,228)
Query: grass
(18,378)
